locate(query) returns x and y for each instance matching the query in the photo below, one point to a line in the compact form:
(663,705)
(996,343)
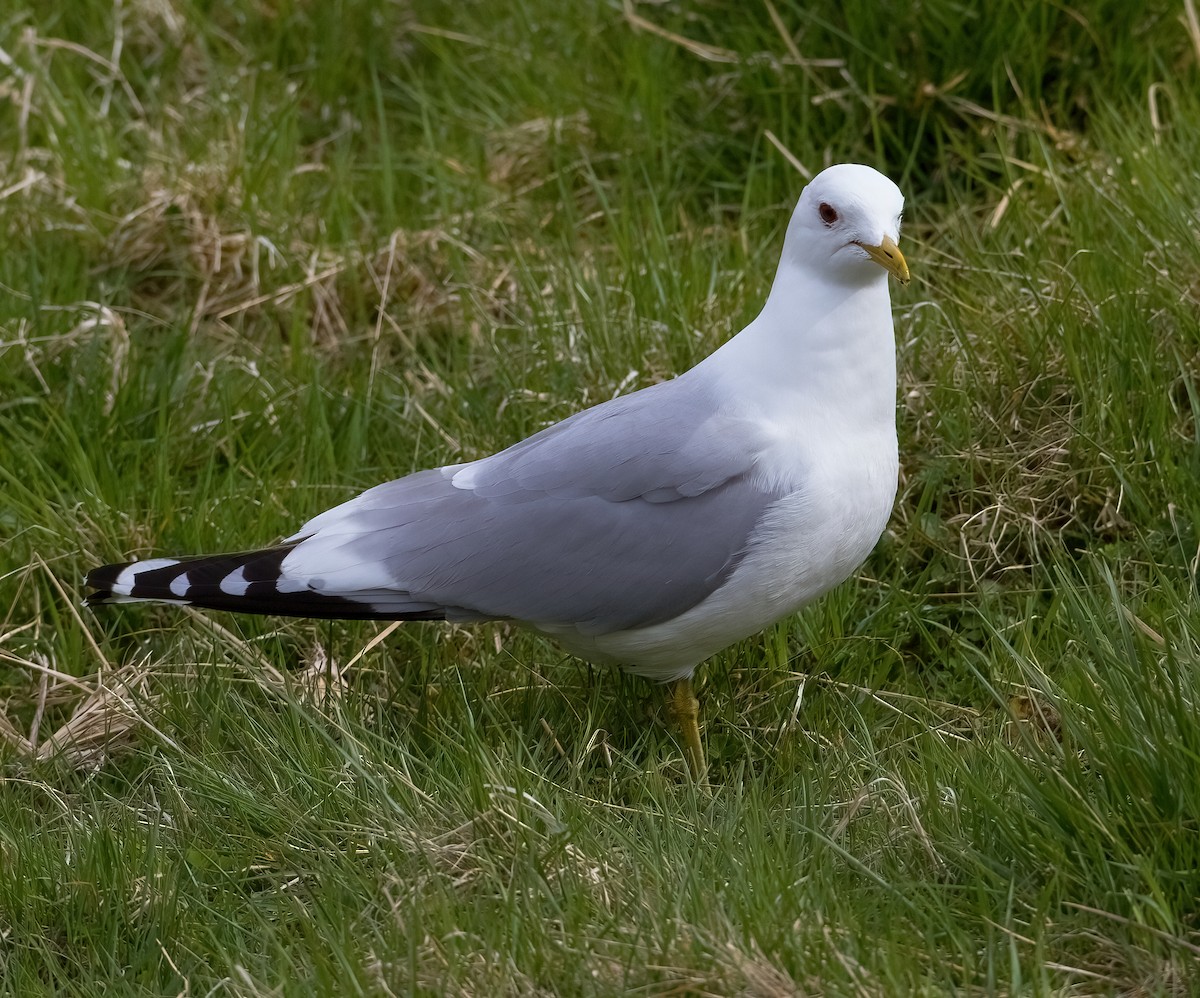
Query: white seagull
(649,531)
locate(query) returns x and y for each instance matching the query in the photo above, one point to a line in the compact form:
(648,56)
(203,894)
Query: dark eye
(827,212)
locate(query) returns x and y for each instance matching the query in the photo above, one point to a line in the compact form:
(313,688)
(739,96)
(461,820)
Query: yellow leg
(686,709)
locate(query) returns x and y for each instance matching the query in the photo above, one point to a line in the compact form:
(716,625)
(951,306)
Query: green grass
(258,256)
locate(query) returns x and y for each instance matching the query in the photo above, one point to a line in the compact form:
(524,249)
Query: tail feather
(247,582)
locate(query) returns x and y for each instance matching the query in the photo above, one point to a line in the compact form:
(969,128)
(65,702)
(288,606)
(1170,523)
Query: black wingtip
(197,581)
(104,578)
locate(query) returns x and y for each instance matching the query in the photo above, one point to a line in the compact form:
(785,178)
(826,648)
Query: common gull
(649,531)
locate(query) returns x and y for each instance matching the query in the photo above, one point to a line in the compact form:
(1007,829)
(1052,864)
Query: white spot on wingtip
(180,585)
(235,584)
(127,579)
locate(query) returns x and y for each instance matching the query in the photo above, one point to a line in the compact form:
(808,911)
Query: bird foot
(686,708)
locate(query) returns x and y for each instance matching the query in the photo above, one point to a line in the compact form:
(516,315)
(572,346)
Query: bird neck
(816,351)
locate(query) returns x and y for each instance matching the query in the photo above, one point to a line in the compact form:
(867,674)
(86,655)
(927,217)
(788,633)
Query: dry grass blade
(1192,22)
(787,154)
(321,680)
(31,179)
(106,711)
(374,642)
(10,734)
(70,604)
(761,978)
(114,71)
(282,294)
(710,53)
(35,664)
(104,722)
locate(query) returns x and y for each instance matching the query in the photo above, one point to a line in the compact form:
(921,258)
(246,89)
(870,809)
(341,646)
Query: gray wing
(622,516)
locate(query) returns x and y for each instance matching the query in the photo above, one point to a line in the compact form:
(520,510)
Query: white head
(846,223)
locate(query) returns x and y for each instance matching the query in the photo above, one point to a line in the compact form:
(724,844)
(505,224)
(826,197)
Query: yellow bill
(887,254)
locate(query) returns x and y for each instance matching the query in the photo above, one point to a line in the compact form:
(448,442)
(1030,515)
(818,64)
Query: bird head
(846,222)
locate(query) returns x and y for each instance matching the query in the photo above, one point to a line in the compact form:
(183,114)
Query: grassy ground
(259,255)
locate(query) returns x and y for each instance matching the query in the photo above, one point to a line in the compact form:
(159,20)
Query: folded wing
(624,515)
